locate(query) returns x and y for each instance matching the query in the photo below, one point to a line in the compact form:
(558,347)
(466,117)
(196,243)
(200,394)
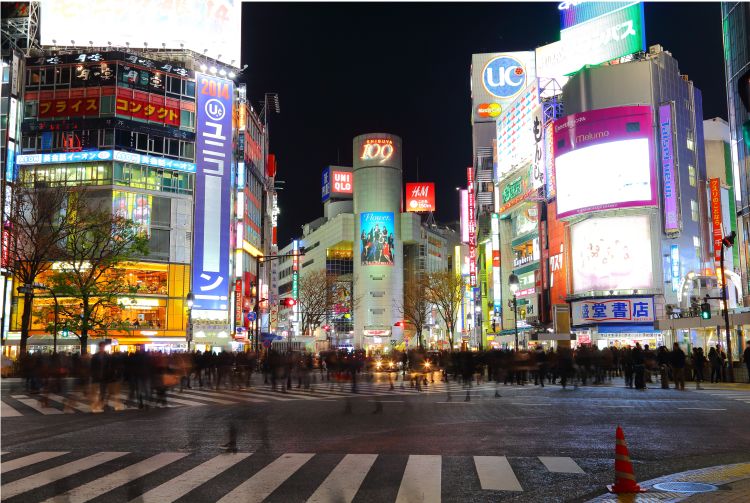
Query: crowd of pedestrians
(146,377)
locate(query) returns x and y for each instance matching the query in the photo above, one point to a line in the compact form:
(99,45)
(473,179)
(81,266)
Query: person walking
(715,361)
(699,361)
(662,359)
(678,367)
(746,357)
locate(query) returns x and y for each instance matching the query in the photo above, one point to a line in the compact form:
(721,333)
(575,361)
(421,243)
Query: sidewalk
(732,485)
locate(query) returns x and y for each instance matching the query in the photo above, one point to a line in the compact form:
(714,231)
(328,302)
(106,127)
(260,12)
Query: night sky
(346,69)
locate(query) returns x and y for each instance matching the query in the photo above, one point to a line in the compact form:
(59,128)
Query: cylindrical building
(378,277)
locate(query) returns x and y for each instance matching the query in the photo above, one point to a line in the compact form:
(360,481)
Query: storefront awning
(546,336)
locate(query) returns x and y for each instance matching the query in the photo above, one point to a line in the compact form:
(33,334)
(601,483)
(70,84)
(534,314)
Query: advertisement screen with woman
(376,238)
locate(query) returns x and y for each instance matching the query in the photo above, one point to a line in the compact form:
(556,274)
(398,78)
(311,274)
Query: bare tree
(313,299)
(39,221)
(416,306)
(88,277)
(445,289)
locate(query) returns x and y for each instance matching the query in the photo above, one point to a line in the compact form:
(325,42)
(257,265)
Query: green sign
(512,190)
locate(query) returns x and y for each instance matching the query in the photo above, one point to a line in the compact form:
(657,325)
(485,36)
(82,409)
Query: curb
(716,475)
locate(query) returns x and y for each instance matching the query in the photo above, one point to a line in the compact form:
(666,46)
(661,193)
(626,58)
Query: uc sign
(504,76)
(379,150)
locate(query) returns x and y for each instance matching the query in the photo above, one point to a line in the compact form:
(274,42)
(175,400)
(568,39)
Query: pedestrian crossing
(739,395)
(18,404)
(51,476)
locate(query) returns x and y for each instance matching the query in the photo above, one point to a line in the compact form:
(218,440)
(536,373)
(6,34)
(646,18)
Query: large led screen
(377,238)
(604,160)
(198,25)
(611,254)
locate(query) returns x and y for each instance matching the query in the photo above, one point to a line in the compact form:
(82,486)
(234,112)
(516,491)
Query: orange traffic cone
(624,476)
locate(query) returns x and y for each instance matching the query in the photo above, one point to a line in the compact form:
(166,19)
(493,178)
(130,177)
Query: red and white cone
(624,476)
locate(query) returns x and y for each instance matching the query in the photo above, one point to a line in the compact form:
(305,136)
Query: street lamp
(513,284)
(190,302)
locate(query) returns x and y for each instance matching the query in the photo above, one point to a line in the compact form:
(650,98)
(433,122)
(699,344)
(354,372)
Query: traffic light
(705,310)
(288,302)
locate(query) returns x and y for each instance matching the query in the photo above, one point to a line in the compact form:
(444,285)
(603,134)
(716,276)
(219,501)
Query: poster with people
(377,240)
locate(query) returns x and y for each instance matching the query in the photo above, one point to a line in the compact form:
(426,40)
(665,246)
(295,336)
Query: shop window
(187,150)
(188,88)
(187,119)
(107,105)
(33,77)
(161,211)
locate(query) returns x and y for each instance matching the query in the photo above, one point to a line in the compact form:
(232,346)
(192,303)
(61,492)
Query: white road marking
(421,481)
(25,484)
(519,403)
(36,405)
(75,404)
(495,473)
(199,395)
(387,401)
(343,482)
(31,459)
(616,406)
(238,395)
(696,408)
(259,486)
(119,478)
(8,411)
(560,464)
(179,486)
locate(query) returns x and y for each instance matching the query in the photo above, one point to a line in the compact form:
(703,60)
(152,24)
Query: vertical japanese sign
(715,187)
(549,159)
(472,228)
(238,303)
(668,171)
(211,234)
(538,170)
(497,299)
(295,275)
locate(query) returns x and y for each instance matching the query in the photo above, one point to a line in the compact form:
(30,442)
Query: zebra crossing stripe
(31,459)
(36,405)
(174,489)
(273,395)
(239,395)
(25,484)
(343,482)
(200,395)
(8,411)
(421,480)
(560,464)
(119,478)
(259,486)
(495,473)
(75,405)
(170,398)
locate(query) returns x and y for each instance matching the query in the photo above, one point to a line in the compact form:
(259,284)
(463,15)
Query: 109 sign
(504,76)
(377,150)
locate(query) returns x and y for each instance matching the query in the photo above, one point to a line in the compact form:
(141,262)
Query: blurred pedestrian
(678,367)
(746,357)
(715,360)
(699,361)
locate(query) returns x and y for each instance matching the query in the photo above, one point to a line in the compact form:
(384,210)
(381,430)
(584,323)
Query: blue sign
(212,192)
(251,316)
(326,184)
(504,76)
(105,155)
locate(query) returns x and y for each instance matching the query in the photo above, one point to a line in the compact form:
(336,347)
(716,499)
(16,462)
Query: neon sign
(377,150)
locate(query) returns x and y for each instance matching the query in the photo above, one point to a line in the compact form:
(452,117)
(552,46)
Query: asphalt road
(530,444)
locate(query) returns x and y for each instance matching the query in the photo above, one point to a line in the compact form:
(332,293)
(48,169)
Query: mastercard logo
(489,110)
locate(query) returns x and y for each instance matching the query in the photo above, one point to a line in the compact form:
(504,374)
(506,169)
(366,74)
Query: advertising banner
(196,25)
(558,269)
(611,253)
(574,12)
(70,107)
(420,196)
(539,171)
(601,39)
(107,60)
(549,159)
(377,238)
(211,232)
(464,215)
(716,220)
(515,132)
(139,109)
(609,310)
(496,80)
(670,182)
(136,207)
(472,228)
(497,299)
(604,160)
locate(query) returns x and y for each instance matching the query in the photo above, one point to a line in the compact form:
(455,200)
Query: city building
(367,248)
(735,22)
(171,139)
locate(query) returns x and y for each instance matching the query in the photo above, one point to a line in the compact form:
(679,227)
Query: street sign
(266,343)
(251,316)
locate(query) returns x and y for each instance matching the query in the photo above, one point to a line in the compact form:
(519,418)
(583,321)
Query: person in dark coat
(678,367)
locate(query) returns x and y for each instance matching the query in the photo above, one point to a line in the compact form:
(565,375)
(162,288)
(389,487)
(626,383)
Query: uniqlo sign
(342,182)
(420,197)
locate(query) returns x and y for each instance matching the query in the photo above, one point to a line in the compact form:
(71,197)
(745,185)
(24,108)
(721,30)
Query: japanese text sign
(68,107)
(212,192)
(613,310)
(149,111)
(716,221)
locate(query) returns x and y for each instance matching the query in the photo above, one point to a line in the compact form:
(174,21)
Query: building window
(690,141)
(691,175)
(694,210)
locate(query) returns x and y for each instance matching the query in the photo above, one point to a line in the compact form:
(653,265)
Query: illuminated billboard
(464,215)
(496,80)
(670,185)
(337,183)
(420,196)
(611,254)
(135,207)
(604,38)
(515,132)
(576,12)
(211,231)
(197,25)
(604,160)
(377,238)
